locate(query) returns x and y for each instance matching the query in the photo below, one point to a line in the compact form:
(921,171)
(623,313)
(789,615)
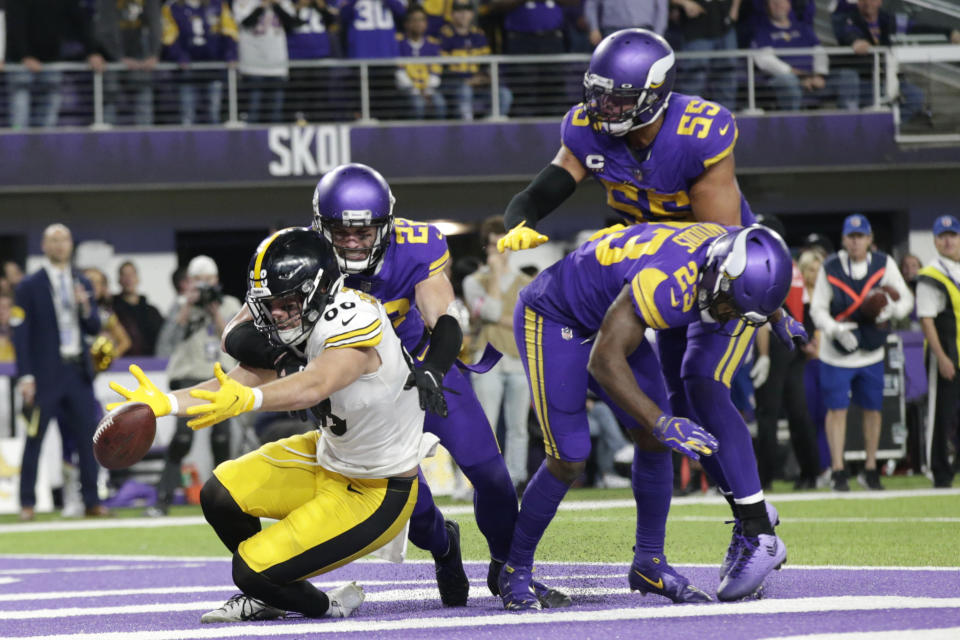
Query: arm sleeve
(548,190)
(768,62)
(250,347)
(445,341)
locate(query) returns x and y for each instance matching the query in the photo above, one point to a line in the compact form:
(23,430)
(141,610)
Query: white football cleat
(242,608)
(344,600)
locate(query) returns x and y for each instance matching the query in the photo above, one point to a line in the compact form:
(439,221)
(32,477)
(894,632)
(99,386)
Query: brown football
(874,304)
(124,435)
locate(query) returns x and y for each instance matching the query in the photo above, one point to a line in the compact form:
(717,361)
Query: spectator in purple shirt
(793,77)
(420,83)
(311,97)
(199,31)
(370,31)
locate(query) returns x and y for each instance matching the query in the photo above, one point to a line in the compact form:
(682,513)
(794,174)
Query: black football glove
(288,363)
(429,384)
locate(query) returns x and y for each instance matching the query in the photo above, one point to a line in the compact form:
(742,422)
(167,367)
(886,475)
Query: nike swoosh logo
(347,321)
(658,584)
(352,490)
(723,129)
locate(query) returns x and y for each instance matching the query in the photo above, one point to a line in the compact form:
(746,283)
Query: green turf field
(818,527)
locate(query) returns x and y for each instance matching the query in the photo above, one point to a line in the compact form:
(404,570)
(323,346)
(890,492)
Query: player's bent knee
(565,471)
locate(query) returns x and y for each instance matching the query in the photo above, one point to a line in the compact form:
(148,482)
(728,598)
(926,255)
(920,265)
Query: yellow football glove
(521,237)
(231,399)
(147,393)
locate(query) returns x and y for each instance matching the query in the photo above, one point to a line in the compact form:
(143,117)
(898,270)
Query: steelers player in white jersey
(338,492)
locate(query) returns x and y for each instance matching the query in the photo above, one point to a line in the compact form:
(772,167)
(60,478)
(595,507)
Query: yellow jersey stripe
(369,342)
(643,283)
(744,341)
(548,434)
(370,328)
(258,264)
(709,162)
(439,262)
(532,341)
(718,372)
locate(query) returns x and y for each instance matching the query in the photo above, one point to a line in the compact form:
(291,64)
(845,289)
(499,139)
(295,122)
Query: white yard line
(950,633)
(367,627)
(568,506)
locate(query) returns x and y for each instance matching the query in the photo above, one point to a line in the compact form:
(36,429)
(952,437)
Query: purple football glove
(790,331)
(685,436)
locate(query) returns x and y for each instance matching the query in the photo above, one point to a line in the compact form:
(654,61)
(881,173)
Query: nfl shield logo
(638,175)
(566,333)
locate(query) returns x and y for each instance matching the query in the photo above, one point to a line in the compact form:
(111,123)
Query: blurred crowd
(267,40)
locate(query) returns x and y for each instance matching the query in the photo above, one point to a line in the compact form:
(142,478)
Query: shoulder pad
(353,319)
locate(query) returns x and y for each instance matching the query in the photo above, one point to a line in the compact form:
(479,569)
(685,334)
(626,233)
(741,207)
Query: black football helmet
(293,275)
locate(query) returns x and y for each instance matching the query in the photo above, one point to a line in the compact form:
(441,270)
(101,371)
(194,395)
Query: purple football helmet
(354,195)
(629,80)
(749,269)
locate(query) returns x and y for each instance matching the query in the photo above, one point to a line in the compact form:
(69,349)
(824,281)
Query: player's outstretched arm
(331,371)
(554,184)
(619,336)
(177,402)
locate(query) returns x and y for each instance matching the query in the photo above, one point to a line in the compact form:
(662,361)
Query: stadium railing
(365,91)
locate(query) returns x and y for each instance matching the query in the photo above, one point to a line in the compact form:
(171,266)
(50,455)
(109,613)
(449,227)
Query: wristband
(174,404)
(257,398)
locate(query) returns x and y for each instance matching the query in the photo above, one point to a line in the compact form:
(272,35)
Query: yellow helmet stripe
(258,264)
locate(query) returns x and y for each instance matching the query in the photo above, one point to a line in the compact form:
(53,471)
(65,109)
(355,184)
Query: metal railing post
(98,122)
(233,106)
(876,79)
(495,90)
(364,92)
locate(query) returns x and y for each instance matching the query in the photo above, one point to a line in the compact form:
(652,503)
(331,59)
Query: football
(874,304)
(124,435)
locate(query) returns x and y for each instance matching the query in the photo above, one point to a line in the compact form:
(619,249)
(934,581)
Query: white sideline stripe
(367,627)
(585,505)
(787,520)
(948,633)
(192,561)
(90,569)
(102,593)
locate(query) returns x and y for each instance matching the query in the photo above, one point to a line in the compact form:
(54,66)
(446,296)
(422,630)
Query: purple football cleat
(650,573)
(736,542)
(516,590)
(758,557)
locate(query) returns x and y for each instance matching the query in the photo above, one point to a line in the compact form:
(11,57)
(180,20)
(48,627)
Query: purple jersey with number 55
(661,263)
(416,252)
(653,184)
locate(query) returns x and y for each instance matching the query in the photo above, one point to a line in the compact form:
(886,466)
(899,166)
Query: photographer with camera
(190,338)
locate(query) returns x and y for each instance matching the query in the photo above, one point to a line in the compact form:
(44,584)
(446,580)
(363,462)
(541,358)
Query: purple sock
(494,504)
(540,502)
(735,456)
(652,479)
(427,529)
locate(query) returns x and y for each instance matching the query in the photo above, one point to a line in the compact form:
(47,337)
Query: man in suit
(54,362)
